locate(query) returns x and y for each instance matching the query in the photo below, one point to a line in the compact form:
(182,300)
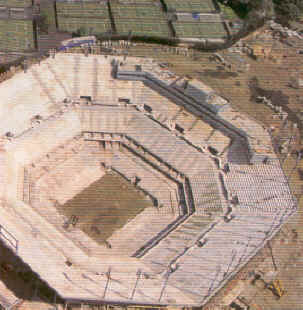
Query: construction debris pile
(278,109)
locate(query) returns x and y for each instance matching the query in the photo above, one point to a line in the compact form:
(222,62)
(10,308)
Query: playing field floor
(105,206)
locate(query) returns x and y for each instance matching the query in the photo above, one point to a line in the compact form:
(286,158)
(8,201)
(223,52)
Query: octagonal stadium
(190,188)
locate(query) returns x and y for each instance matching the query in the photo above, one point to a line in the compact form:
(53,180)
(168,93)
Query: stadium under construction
(216,189)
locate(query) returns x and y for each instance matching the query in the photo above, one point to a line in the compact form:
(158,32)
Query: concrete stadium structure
(218,189)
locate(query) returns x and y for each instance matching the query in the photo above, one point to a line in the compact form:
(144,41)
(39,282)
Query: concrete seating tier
(164,144)
(51,160)
(151,181)
(160,105)
(109,120)
(184,236)
(164,111)
(230,247)
(205,193)
(160,142)
(200,132)
(139,231)
(268,191)
(185,120)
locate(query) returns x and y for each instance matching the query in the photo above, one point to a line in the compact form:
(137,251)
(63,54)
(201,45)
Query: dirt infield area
(105,206)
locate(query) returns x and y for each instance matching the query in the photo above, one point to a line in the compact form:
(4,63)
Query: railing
(9,239)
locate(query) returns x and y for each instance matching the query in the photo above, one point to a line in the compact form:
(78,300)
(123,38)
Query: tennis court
(16,3)
(89,25)
(204,18)
(144,19)
(143,28)
(16,35)
(200,30)
(82,9)
(190,6)
(138,1)
(137,12)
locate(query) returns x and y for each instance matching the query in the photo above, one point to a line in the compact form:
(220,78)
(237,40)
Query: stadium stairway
(205,193)
(59,78)
(45,85)
(160,257)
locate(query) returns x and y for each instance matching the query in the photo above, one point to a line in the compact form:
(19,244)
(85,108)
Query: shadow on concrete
(21,280)
(237,153)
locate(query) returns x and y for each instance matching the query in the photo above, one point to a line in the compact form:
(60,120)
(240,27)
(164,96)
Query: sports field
(105,206)
(138,12)
(16,3)
(142,20)
(204,18)
(143,28)
(138,1)
(82,9)
(90,25)
(189,6)
(16,35)
(199,30)
(92,17)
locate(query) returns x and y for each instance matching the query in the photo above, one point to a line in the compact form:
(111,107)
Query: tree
(82,31)
(42,23)
(288,9)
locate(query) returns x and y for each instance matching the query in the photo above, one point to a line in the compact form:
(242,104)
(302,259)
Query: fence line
(8,238)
